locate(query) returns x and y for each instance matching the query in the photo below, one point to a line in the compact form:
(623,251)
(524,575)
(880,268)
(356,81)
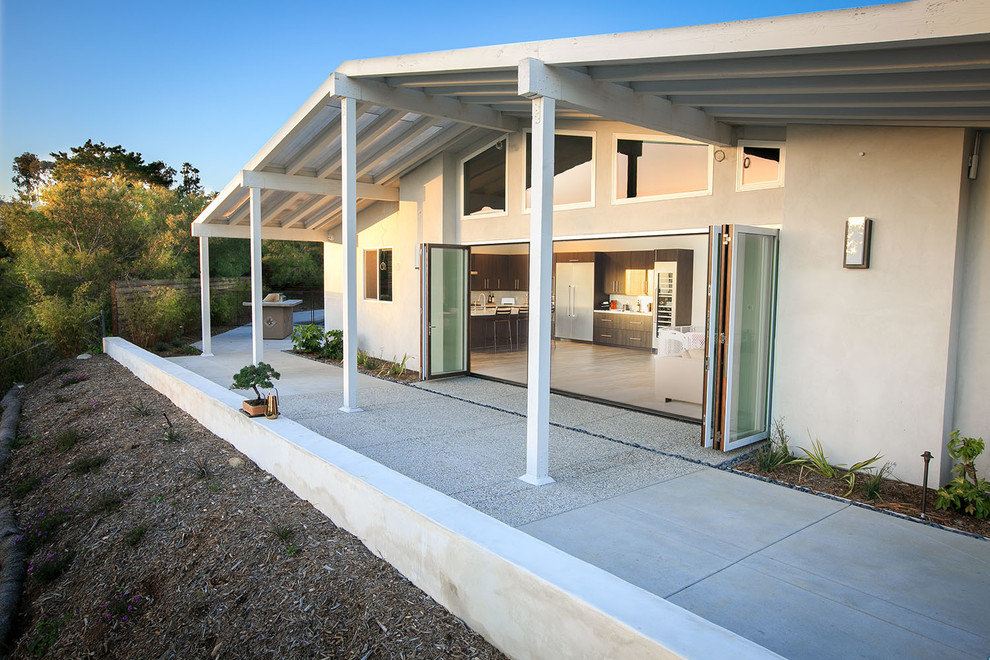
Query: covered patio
(373,121)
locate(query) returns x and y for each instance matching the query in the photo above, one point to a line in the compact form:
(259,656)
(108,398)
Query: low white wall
(528,598)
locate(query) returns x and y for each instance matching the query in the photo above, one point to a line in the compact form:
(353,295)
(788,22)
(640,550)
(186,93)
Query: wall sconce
(857,253)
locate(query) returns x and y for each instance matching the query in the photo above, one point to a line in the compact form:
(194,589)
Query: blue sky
(210,82)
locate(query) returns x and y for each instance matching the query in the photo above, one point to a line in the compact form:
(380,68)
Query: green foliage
(776,453)
(292,264)
(255,376)
(87,464)
(25,486)
(23,353)
(816,461)
(159,315)
(31,173)
(966,491)
(107,503)
(399,368)
(67,438)
(134,536)
(199,468)
(45,635)
(171,433)
(874,480)
(70,323)
(307,338)
(99,160)
(49,568)
(333,345)
(362,358)
(140,409)
(22,441)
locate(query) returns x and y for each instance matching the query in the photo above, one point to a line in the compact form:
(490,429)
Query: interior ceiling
(942,83)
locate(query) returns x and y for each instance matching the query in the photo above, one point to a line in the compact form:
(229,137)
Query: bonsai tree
(253,376)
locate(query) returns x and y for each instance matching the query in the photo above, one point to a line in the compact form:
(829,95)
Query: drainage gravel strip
(12,570)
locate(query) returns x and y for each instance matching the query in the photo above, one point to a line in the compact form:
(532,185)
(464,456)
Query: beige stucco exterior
(865,359)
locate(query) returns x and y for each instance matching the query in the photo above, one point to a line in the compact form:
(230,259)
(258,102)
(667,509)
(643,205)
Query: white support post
(348,178)
(204,294)
(257,328)
(541,272)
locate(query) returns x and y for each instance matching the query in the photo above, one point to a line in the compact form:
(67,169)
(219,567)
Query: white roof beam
(619,103)
(414,101)
(267,233)
(417,128)
(312,186)
(383,124)
(501,77)
(891,100)
(438,143)
(795,115)
(948,81)
(952,57)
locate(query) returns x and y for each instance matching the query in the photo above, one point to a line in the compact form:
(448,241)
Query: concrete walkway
(805,576)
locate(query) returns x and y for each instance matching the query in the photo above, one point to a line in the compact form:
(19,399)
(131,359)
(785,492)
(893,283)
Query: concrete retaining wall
(528,598)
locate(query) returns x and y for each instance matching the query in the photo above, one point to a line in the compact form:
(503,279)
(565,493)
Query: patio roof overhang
(913,63)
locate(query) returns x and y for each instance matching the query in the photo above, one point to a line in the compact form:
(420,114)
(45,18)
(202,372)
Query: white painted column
(257,328)
(540,274)
(204,294)
(348,176)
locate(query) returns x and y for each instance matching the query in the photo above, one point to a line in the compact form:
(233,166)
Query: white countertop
(619,311)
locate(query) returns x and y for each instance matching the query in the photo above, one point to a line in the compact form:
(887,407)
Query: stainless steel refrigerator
(574,298)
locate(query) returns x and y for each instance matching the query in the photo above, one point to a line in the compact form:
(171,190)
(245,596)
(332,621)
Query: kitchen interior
(628,319)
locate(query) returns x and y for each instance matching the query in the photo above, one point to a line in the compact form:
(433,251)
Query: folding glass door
(742,287)
(445,310)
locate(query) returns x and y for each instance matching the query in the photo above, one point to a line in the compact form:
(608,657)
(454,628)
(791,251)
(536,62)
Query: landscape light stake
(924,492)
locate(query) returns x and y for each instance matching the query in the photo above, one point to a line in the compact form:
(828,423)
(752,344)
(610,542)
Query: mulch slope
(230,563)
(897,496)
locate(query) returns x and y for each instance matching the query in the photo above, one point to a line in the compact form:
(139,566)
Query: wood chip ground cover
(145,548)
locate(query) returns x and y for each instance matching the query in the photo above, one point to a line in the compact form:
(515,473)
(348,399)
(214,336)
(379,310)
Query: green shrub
(333,345)
(68,324)
(307,338)
(966,492)
(254,376)
(23,352)
(223,310)
(157,316)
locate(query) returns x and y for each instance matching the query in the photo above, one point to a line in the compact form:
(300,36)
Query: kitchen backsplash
(520,297)
(621,300)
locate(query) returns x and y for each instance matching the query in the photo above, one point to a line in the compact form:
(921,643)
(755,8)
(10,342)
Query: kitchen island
(627,329)
(483,328)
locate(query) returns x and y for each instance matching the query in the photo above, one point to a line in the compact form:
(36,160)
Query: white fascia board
(619,103)
(313,186)
(443,107)
(218,201)
(267,233)
(927,20)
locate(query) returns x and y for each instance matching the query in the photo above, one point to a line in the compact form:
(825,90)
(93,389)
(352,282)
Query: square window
(759,165)
(484,181)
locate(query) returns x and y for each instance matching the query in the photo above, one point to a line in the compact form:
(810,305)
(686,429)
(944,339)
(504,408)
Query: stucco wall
(972,403)
(724,205)
(862,356)
(392,328)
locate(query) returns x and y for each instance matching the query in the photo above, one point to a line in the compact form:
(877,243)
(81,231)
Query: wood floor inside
(622,375)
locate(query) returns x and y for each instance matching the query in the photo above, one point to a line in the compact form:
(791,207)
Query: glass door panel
(752,275)
(446,318)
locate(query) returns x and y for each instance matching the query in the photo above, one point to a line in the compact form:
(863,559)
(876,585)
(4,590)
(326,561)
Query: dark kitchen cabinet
(499,272)
(610,272)
(626,330)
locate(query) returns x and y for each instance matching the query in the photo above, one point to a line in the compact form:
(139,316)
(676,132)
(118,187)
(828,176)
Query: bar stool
(522,317)
(502,316)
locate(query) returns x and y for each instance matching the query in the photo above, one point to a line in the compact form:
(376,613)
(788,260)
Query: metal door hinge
(726,239)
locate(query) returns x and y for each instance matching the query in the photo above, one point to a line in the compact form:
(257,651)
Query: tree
(99,160)
(31,173)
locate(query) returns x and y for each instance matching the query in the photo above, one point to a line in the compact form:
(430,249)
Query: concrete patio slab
(804,575)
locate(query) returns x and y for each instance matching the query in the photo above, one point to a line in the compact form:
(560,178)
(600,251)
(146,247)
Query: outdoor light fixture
(857,253)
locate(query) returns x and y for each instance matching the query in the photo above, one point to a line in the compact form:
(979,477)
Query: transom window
(573,171)
(484,181)
(759,165)
(657,168)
